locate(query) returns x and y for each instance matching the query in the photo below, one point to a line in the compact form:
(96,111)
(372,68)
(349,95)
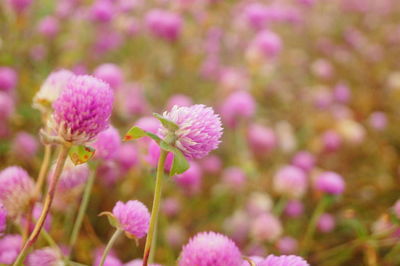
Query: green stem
(280,206)
(110,243)
(82,209)
(62,157)
(155,208)
(313,223)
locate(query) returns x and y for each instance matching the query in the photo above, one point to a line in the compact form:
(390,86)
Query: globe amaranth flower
(3,219)
(238,106)
(139,262)
(330,183)
(396,209)
(111,259)
(133,217)
(44,257)
(164,24)
(7,106)
(111,74)
(107,144)
(24,146)
(83,109)
(10,246)
(51,89)
(199,129)
(190,180)
(290,181)
(326,223)
(234,178)
(266,227)
(287,245)
(16,190)
(209,249)
(285,260)
(261,139)
(8,79)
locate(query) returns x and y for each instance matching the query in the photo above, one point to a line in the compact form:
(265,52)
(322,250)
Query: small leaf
(137,133)
(167,147)
(168,124)
(111,219)
(179,164)
(130,236)
(81,154)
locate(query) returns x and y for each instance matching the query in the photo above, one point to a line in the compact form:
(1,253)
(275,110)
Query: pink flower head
(294,208)
(290,181)
(261,139)
(210,249)
(199,130)
(20,6)
(102,11)
(25,145)
(149,123)
(139,262)
(266,44)
(8,79)
(326,223)
(285,260)
(171,207)
(7,106)
(234,178)
(50,90)
(211,164)
(190,181)
(266,227)
(49,26)
(164,24)
(331,141)
(330,183)
(10,246)
(111,74)
(304,160)
(396,209)
(16,190)
(256,15)
(44,257)
(153,155)
(175,236)
(3,219)
(342,93)
(133,216)
(83,109)
(107,144)
(238,106)
(132,100)
(111,259)
(179,100)
(127,156)
(109,173)
(287,245)
(378,120)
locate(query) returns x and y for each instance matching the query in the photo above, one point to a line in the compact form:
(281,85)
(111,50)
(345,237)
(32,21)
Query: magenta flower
(330,183)
(261,232)
(396,209)
(266,44)
(261,139)
(107,144)
(51,89)
(290,260)
(290,181)
(44,257)
(3,219)
(210,249)
(139,262)
(304,160)
(49,27)
(16,190)
(164,24)
(111,74)
(133,216)
(199,130)
(7,106)
(287,245)
(190,180)
(25,146)
(8,79)
(179,100)
(10,246)
(20,5)
(326,223)
(83,109)
(238,106)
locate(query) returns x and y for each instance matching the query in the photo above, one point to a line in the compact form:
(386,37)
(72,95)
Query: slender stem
(38,188)
(156,206)
(110,243)
(370,254)
(280,206)
(62,156)
(313,223)
(82,209)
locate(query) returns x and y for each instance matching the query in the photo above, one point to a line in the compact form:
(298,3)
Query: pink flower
(290,260)
(330,183)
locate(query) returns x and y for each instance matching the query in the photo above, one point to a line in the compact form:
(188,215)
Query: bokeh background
(308,83)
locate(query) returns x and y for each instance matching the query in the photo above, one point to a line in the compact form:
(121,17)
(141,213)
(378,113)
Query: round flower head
(175,236)
(258,203)
(111,74)
(179,100)
(294,208)
(287,245)
(107,144)
(51,89)
(102,11)
(7,106)
(378,120)
(199,130)
(16,190)
(304,160)
(261,139)
(331,141)
(396,209)
(44,257)
(8,79)
(234,178)
(290,260)
(326,223)
(164,24)
(266,44)
(237,226)
(139,262)
(127,156)
(10,246)
(24,145)
(133,216)
(111,259)
(83,109)
(239,105)
(3,219)
(330,183)
(256,15)
(190,180)
(290,181)
(266,227)
(211,164)
(209,249)
(342,93)
(49,26)
(171,206)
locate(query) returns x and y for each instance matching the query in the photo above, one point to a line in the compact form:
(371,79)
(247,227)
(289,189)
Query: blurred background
(306,85)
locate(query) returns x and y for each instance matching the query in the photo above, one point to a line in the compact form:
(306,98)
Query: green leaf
(168,124)
(179,164)
(111,219)
(81,154)
(137,133)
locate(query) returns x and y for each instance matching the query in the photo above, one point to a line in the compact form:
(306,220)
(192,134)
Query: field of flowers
(200,132)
